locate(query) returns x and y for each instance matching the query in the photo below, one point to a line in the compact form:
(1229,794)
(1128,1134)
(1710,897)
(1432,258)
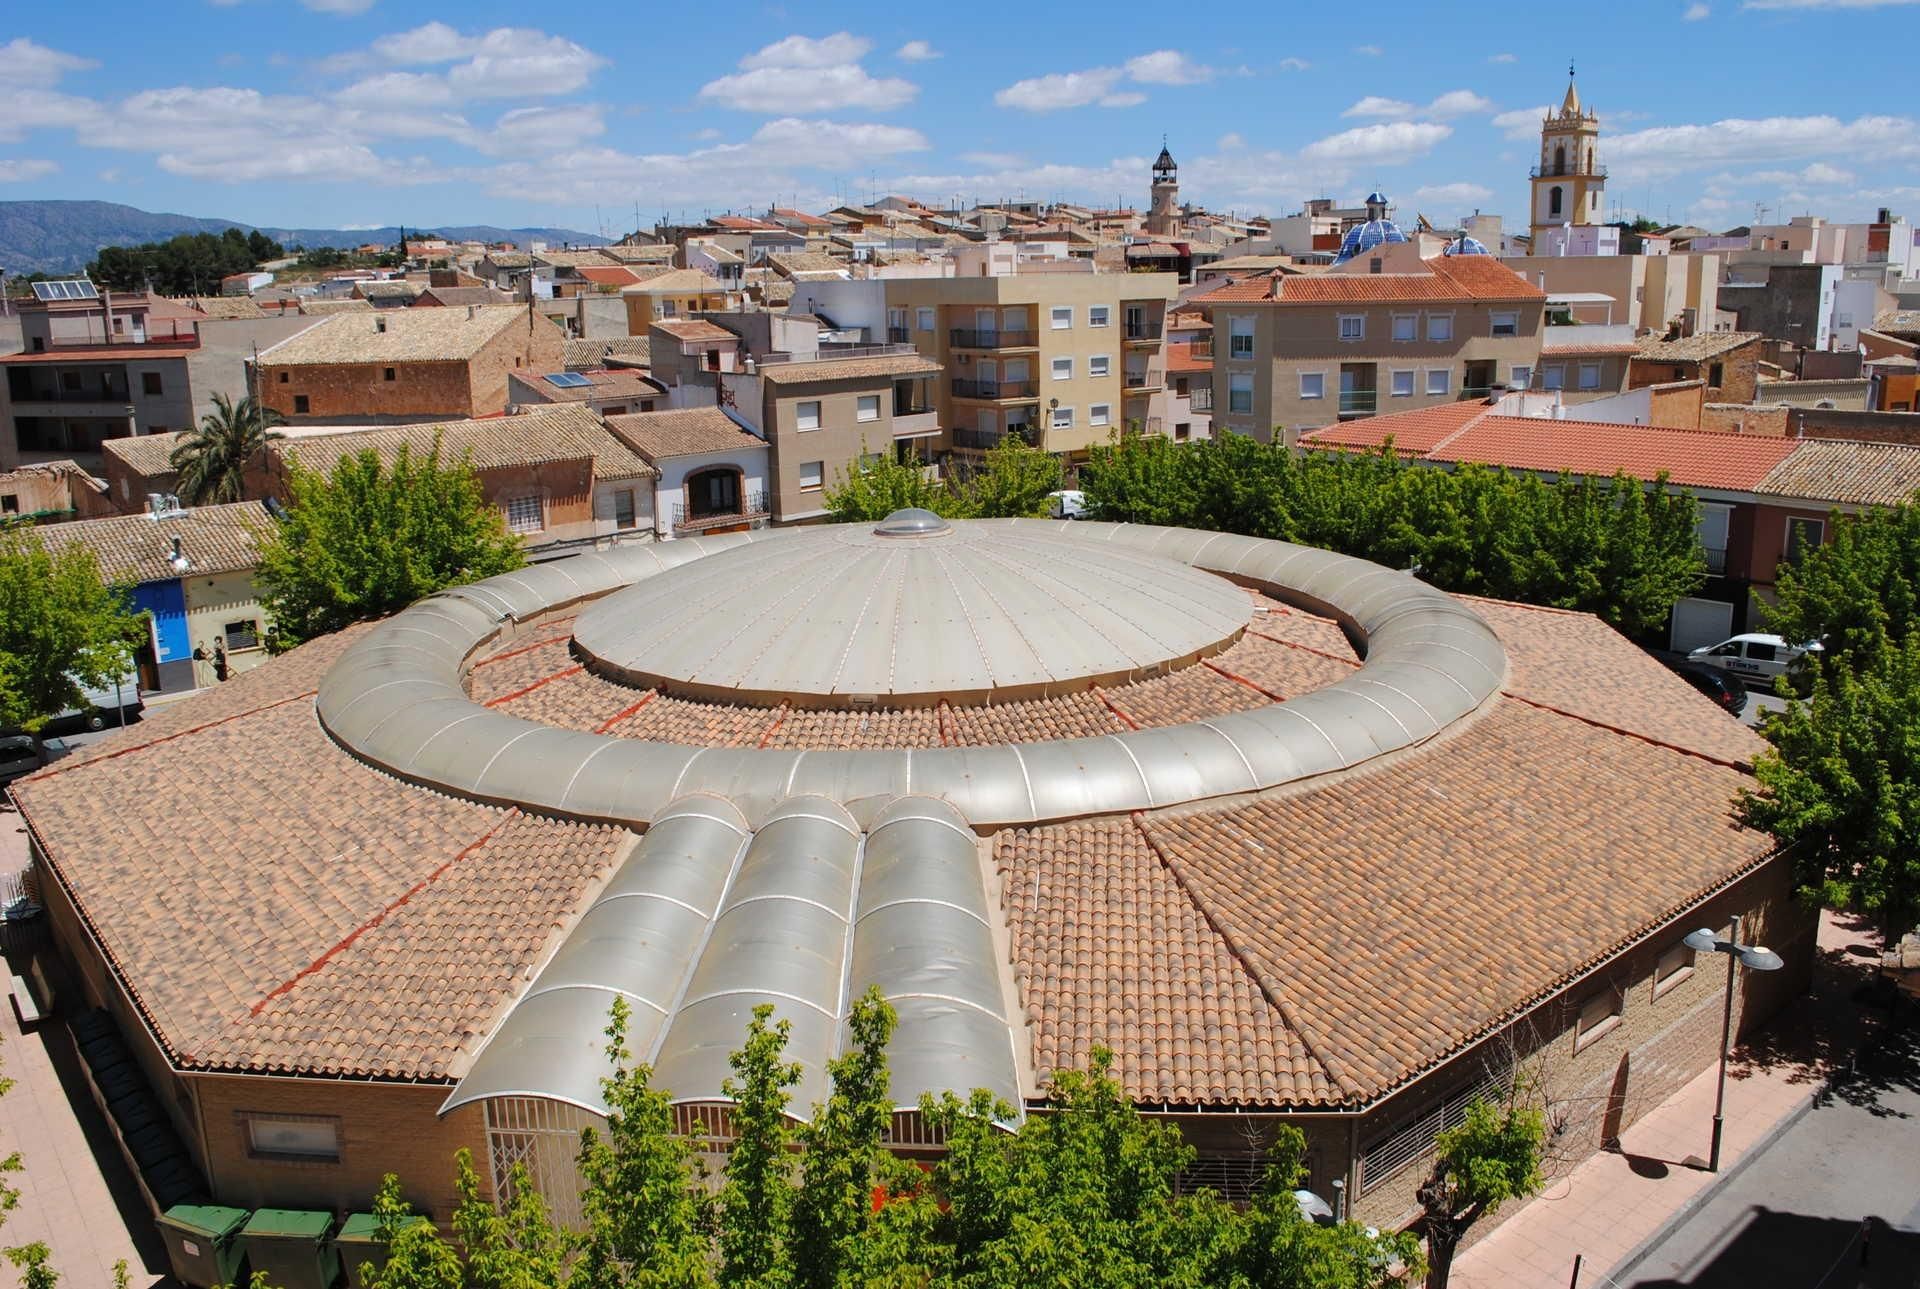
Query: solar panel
(568,380)
(74,289)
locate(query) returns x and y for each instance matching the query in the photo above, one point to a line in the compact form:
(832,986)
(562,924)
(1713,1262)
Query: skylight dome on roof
(1466,246)
(1377,231)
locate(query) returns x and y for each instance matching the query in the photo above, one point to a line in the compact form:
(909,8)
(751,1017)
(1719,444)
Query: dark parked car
(1723,687)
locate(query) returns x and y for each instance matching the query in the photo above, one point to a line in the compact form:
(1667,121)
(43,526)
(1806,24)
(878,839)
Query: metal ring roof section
(909,614)
(705,921)
(396,700)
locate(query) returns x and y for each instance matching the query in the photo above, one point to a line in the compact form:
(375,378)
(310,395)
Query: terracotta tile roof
(102,353)
(409,335)
(1898,322)
(801,217)
(694,329)
(580,354)
(614,275)
(1833,471)
(562,432)
(681,432)
(138,548)
(797,263)
(1180,357)
(1468,277)
(1414,433)
(1695,348)
(625,382)
(454,297)
(361,927)
(324,308)
(229,307)
(1689,458)
(685,281)
(638,254)
(509,259)
(572,259)
(848,369)
(1598,350)
(145,454)
(1240,291)
(395,289)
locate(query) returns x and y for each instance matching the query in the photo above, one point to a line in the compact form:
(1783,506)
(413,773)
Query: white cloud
(1294,64)
(1679,149)
(537,127)
(1230,143)
(1371,51)
(1822,173)
(398,89)
(916,51)
(22,62)
(1167,67)
(804,74)
(1058,90)
(1452,103)
(993,160)
(1521,123)
(24,169)
(831,143)
(435,42)
(1374,105)
(1459,103)
(511,62)
(1453,195)
(1384,143)
(1696,13)
(1126,98)
(1503,58)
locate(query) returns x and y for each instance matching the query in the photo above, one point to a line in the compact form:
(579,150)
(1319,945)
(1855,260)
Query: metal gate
(544,1135)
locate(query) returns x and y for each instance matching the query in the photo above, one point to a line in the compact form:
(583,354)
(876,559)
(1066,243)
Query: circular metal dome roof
(1362,238)
(1466,246)
(905,615)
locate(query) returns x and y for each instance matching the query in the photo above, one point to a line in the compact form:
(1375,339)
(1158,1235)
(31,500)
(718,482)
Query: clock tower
(1569,181)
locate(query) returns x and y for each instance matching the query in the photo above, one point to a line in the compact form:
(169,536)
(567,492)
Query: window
(1406,327)
(813,475)
(806,416)
(1675,965)
(1506,324)
(1240,392)
(870,461)
(307,1138)
(1063,369)
(10,502)
(283,378)
(1100,414)
(1521,375)
(1553,199)
(623,510)
(1553,377)
(1758,651)
(1804,536)
(1313,384)
(1438,382)
(301,405)
(1099,315)
(1062,418)
(1599,1015)
(868,408)
(150,384)
(1182,431)
(1439,326)
(241,635)
(1240,336)
(1353,326)
(1061,319)
(923,318)
(70,381)
(1716,373)
(666,309)
(524,515)
(1402,384)
(387,374)
(1589,375)
(1100,365)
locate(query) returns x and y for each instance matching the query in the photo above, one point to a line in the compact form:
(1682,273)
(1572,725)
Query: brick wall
(1677,406)
(1744,418)
(1835,423)
(347,392)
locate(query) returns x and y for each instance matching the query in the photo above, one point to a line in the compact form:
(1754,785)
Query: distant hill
(61,236)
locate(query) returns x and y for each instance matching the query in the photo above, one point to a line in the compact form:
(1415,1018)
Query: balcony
(992,391)
(898,336)
(1201,399)
(972,338)
(1358,402)
(1473,393)
(914,424)
(1143,331)
(1142,381)
(1567,172)
(1200,348)
(977,440)
(1716,561)
(752,508)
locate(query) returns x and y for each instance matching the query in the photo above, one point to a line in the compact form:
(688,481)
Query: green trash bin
(294,1247)
(203,1244)
(360,1245)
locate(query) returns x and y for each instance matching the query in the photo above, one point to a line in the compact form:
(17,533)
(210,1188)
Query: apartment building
(389,367)
(1052,350)
(95,366)
(1387,330)
(677,293)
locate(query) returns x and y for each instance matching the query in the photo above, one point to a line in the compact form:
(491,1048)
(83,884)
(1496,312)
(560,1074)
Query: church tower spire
(1163,215)
(1569,182)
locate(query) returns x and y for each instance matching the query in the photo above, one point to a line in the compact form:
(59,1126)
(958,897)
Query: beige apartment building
(1067,357)
(1387,332)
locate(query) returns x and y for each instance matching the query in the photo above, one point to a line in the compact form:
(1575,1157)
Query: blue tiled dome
(1362,238)
(1466,246)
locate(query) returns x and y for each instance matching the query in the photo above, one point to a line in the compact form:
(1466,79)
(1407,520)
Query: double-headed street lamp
(1754,957)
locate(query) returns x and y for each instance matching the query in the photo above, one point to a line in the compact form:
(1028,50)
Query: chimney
(379,324)
(472,310)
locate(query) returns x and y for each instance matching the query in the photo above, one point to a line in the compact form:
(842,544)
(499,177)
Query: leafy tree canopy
(1012,482)
(1492,1157)
(190,264)
(1859,591)
(62,628)
(370,538)
(212,458)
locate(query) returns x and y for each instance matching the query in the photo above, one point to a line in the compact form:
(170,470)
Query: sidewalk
(1608,1206)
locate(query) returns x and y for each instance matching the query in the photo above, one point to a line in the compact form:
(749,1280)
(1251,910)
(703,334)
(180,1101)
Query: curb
(1638,1253)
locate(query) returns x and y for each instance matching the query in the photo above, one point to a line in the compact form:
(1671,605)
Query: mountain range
(61,236)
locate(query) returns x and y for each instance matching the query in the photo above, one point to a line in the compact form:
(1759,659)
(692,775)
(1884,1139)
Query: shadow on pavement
(1768,1247)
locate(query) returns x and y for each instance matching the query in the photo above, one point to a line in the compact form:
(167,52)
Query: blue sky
(343,112)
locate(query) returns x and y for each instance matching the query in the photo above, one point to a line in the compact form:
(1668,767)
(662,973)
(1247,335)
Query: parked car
(103,706)
(1754,654)
(1723,687)
(1069,503)
(19,754)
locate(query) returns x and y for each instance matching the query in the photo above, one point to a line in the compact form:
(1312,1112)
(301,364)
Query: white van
(1754,654)
(1069,503)
(108,705)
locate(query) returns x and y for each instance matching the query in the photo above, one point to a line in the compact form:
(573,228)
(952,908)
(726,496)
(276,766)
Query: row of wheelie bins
(210,1245)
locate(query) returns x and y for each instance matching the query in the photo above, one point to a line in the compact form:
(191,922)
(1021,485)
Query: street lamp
(1755,958)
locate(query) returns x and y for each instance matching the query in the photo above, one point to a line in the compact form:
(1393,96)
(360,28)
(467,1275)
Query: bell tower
(1569,182)
(1163,216)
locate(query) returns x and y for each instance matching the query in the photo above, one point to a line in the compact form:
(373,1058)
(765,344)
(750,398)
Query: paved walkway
(1606,1208)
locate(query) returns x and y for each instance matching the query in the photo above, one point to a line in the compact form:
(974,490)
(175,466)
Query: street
(1834,1203)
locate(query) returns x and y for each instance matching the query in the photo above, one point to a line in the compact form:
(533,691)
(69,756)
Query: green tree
(1840,784)
(869,491)
(212,459)
(1493,1156)
(34,1263)
(371,538)
(1275,1245)
(756,1202)
(1859,591)
(844,1155)
(62,628)
(417,1256)
(646,1207)
(514,1245)
(263,248)
(1013,482)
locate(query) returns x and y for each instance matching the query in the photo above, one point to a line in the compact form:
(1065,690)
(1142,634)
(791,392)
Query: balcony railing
(753,505)
(977,440)
(1151,378)
(1200,348)
(1566,172)
(898,335)
(1716,561)
(1471,393)
(97,396)
(1143,331)
(1358,402)
(972,338)
(1201,399)
(994,389)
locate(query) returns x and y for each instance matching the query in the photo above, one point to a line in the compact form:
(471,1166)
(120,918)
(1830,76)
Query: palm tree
(212,460)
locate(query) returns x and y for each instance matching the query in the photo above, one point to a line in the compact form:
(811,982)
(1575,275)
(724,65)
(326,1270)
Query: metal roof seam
(1026,779)
(421,750)
(1390,713)
(776,896)
(598,989)
(700,949)
(846,949)
(1395,689)
(923,899)
(931,819)
(808,1003)
(1146,785)
(650,895)
(1252,776)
